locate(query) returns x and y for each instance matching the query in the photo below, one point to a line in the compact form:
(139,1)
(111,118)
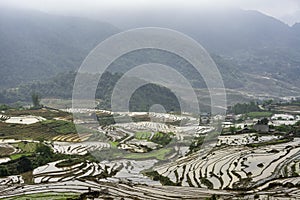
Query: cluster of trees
(242,108)
(4,107)
(59,87)
(150,94)
(289,129)
(162,138)
(36,100)
(43,154)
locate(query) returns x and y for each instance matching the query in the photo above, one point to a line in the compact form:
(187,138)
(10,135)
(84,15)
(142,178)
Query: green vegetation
(61,86)
(142,135)
(27,149)
(242,108)
(114,144)
(196,144)
(44,112)
(162,138)
(59,126)
(284,128)
(36,100)
(292,130)
(105,119)
(296,129)
(19,155)
(213,197)
(44,130)
(4,107)
(258,114)
(158,137)
(4,171)
(162,179)
(146,96)
(24,164)
(42,155)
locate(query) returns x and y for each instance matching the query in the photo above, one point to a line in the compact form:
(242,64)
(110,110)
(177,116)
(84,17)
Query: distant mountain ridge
(252,50)
(255,43)
(221,31)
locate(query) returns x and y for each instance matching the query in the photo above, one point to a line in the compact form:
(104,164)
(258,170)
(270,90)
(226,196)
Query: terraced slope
(234,167)
(118,191)
(79,148)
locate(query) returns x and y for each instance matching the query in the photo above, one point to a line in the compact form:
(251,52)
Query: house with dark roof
(205,118)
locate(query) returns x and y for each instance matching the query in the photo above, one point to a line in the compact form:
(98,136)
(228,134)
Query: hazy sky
(285,10)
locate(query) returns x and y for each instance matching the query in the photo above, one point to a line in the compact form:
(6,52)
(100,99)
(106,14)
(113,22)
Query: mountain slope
(36,45)
(244,44)
(258,44)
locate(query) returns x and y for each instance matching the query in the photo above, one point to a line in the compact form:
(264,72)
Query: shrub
(4,171)
(24,164)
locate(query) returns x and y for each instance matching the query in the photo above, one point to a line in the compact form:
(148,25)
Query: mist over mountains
(253,51)
(35,45)
(222,31)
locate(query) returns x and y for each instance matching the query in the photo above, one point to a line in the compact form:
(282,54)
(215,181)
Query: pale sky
(287,11)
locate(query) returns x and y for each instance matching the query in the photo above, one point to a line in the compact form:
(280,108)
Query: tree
(264,121)
(35,100)
(44,151)
(232,129)
(4,107)
(4,171)
(24,165)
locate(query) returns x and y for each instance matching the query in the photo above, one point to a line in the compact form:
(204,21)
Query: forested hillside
(61,86)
